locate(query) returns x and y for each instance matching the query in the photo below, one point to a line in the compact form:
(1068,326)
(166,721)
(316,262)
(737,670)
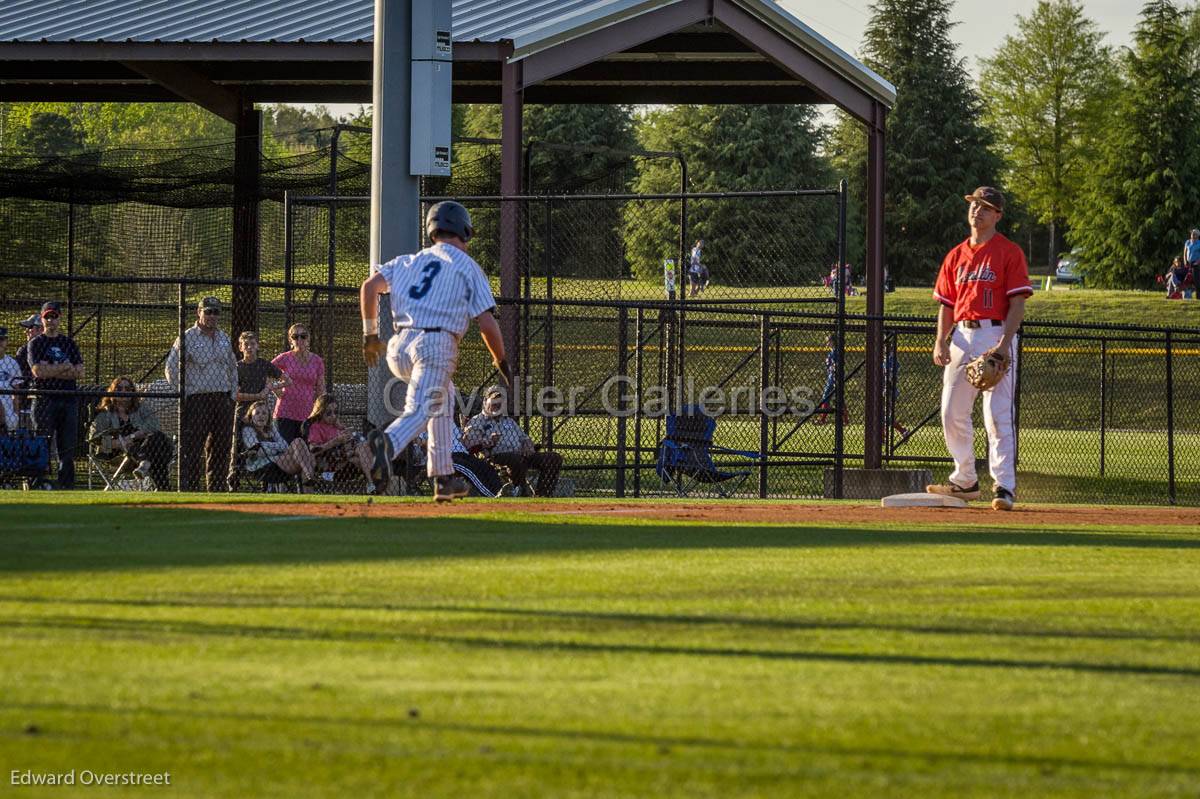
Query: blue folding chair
(685,456)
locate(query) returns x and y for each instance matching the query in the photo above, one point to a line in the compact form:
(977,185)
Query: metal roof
(187,20)
(532,25)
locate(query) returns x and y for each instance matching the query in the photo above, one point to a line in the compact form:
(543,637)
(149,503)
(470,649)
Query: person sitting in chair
(267,455)
(332,445)
(124,427)
(501,440)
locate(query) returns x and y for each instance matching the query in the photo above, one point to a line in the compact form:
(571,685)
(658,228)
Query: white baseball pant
(426,362)
(958,400)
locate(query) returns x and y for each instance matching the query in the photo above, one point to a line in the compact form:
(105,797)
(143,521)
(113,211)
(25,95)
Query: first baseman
(982,288)
(435,293)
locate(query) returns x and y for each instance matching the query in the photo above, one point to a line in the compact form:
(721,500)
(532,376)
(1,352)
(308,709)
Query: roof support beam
(876,172)
(766,40)
(192,86)
(512,104)
(594,46)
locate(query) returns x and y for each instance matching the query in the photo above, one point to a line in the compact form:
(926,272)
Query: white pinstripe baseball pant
(426,362)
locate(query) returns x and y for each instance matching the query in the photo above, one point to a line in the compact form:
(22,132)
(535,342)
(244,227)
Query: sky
(979,29)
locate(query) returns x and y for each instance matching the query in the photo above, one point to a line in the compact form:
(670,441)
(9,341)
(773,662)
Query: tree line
(1093,145)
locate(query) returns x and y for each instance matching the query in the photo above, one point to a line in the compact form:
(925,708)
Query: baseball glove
(986,371)
(372,349)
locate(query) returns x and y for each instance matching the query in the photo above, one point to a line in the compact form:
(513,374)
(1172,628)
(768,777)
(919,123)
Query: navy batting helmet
(450,217)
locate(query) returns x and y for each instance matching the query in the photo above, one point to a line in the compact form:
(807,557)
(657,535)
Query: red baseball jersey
(977,281)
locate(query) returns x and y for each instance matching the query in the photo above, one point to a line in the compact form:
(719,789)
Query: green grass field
(526,655)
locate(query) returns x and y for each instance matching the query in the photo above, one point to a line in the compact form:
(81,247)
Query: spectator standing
(124,425)
(206,425)
(502,441)
(258,379)
(33,329)
(332,444)
(11,377)
(57,365)
(306,371)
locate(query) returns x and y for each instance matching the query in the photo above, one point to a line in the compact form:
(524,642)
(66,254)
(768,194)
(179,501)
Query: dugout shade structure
(228,56)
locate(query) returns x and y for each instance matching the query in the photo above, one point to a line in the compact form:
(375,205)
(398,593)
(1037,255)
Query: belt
(977,323)
(422,329)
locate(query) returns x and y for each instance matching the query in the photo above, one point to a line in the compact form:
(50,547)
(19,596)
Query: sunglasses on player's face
(299,336)
(211,312)
(50,315)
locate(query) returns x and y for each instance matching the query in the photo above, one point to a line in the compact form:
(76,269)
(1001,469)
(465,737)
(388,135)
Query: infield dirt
(742,512)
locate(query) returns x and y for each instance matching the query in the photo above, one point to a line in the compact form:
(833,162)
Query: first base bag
(24,455)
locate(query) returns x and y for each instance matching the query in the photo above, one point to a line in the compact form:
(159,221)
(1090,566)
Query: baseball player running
(982,288)
(435,293)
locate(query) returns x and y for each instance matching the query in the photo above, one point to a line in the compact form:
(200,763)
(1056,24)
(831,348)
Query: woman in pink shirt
(307,371)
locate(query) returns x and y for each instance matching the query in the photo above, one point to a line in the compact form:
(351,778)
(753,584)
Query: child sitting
(332,444)
(266,453)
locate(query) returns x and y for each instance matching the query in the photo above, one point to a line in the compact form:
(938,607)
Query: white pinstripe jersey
(440,286)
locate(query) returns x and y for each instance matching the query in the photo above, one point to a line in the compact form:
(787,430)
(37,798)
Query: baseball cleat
(949,489)
(448,487)
(1003,500)
(381,449)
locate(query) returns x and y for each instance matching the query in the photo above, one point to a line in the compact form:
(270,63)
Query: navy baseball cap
(52,305)
(3,332)
(33,321)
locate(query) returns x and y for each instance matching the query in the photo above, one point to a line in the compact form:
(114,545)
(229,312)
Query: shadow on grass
(205,716)
(37,538)
(147,628)
(593,621)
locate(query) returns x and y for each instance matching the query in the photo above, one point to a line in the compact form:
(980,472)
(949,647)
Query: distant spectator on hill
(306,370)
(1191,250)
(1179,279)
(697,271)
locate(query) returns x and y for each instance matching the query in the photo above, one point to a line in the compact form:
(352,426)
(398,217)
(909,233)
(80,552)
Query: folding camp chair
(685,456)
(114,467)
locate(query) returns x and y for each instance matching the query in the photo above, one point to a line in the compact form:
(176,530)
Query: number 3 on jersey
(430,271)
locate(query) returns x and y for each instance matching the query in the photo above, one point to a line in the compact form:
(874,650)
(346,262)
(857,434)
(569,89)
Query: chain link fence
(1105,414)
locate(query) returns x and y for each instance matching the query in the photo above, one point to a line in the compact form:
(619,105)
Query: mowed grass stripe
(570,657)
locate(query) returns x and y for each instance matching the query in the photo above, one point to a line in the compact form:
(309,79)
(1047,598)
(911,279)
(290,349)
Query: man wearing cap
(56,364)
(982,287)
(499,438)
(33,329)
(10,377)
(209,387)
